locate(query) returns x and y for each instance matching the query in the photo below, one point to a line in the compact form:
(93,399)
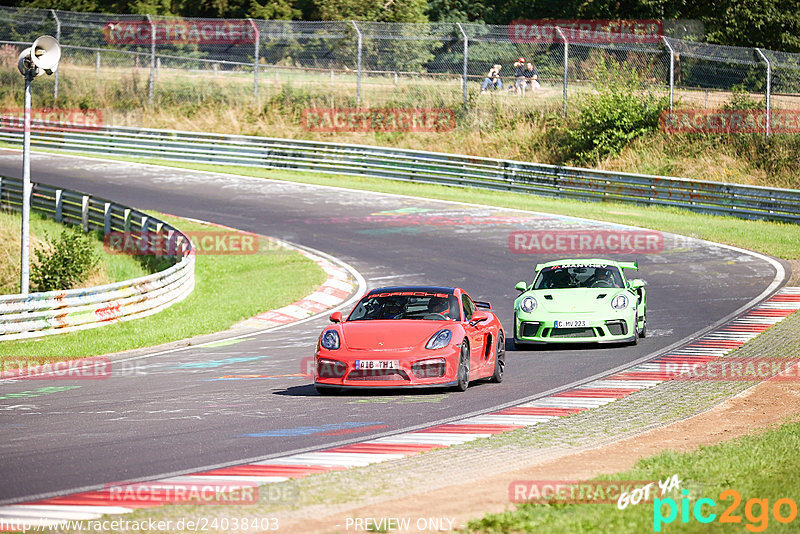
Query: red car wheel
(463,367)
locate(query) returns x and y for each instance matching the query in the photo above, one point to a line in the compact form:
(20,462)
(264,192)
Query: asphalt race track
(176,413)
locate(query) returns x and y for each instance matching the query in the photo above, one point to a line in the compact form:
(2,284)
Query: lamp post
(41,58)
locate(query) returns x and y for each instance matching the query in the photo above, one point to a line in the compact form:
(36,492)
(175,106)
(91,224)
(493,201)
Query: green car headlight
(620,302)
(528,304)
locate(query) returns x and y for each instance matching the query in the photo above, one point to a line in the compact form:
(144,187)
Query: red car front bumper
(338,368)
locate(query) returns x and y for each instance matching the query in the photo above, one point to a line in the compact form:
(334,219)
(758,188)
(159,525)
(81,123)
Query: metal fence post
(85,213)
(255,60)
(97,63)
(27,192)
(59,205)
(358,79)
(106,218)
(671,71)
(466,59)
(566,66)
(151,88)
(769,88)
(58,38)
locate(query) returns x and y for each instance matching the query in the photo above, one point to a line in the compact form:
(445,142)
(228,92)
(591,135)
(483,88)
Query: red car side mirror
(478,317)
(336,317)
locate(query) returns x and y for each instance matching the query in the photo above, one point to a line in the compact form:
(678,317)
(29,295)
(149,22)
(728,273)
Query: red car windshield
(407,305)
(572,276)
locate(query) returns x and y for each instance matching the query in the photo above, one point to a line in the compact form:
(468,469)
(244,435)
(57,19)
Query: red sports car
(411,337)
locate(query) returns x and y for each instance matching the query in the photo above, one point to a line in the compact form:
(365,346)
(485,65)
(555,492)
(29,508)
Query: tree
(377,10)
(773,24)
(237,9)
(458,11)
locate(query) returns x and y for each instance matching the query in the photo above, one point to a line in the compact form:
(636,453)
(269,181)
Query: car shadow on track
(561,347)
(308,390)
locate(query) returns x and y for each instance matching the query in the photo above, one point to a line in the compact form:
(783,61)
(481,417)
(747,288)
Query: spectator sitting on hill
(531,76)
(519,76)
(492,79)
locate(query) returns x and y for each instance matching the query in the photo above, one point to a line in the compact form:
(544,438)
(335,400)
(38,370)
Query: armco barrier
(430,167)
(53,312)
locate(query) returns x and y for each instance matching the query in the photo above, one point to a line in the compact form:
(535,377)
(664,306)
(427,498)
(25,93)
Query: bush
(741,101)
(608,120)
(65,262)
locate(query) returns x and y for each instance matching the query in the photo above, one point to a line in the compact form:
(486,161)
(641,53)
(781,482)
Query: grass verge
(270,279)
(112,268)
(497,125)
(762,466)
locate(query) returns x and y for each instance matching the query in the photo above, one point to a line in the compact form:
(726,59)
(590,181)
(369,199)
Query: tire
(463,367)
(643,331)
(635,340)
(327,390)
(499,358)
(519,345)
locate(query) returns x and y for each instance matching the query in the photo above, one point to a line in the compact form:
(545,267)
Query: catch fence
(376,61)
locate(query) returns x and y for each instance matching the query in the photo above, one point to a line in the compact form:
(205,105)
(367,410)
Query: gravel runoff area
(337,492)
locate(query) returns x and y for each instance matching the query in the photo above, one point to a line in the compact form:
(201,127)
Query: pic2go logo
(756,511)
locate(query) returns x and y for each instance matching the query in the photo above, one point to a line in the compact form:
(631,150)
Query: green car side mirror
(521,286)
(636,283)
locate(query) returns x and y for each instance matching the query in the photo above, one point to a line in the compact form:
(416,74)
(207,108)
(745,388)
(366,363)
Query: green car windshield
(573,276)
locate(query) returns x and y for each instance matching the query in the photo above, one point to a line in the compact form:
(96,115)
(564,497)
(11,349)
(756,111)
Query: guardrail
(743,201)
(54,312)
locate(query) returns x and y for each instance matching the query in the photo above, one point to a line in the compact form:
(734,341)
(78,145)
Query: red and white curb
(93,504)
(334,291)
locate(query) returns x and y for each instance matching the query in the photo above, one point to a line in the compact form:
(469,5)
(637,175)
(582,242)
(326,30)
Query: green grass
(761,466)
(496,125)
(229,288)
(113,267)
(781,240)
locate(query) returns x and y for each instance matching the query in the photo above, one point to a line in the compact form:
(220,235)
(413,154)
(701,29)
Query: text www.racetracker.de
(196,524)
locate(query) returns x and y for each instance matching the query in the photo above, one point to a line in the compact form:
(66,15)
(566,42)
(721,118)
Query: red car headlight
(429,368)
(330,368)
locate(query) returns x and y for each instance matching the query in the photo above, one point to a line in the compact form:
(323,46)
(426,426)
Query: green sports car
(579,301)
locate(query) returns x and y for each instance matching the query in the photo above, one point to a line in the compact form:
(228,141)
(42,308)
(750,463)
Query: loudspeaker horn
(46,53)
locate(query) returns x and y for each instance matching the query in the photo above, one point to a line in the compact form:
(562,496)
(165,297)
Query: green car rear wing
(629,265)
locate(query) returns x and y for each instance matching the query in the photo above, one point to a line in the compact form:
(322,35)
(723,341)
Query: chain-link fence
(380,64)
